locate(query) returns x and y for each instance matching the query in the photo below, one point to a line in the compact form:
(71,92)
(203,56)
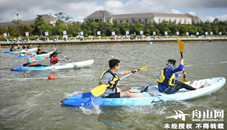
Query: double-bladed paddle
(99,90)
(62,54)
(181,48)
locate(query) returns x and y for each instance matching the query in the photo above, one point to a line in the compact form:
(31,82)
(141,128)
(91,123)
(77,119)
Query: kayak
(88,100)
(18,51)
(12,52)
(58,66)
(40,55)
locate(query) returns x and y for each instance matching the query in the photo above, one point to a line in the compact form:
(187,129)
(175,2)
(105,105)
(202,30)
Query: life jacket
(38,51)
(115,78)
(12,48)
(21,51)
(33,59)
(54,60)
(164,81)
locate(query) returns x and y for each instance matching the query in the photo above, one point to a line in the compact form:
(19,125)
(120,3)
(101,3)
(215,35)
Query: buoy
(149,43)
(51,77)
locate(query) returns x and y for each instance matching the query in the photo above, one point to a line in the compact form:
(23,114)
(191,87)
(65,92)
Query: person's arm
(178,75)
(128,72)
(180,67)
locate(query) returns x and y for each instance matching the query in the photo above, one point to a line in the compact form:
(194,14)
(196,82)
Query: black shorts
(113,95)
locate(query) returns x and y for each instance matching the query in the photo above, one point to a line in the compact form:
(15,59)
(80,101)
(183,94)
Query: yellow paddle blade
(180,45)
(185,80)
(99,90)
(142,68)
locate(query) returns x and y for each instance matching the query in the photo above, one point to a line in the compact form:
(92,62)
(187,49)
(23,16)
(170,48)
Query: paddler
(12,48)
(166,78)
(53,58)
(40,50)
(31,60)
(110,77)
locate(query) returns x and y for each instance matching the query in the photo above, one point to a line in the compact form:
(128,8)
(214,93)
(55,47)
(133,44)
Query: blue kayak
(21,56)
(26,56)
(12,52)
(88,100)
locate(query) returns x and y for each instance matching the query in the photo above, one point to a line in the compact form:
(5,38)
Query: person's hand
(134,71)
(183,73)
(112,82)
(182,61)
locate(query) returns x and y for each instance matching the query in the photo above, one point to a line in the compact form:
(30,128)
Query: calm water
(31,103)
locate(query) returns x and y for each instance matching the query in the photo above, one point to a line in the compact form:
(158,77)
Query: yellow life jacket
(164,81)
(115,78)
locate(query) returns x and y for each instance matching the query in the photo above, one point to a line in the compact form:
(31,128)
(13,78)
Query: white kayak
(40,55)
(58,66)
(87,99)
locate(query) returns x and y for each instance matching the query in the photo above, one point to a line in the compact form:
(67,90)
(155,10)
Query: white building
(105,16)
(47,17)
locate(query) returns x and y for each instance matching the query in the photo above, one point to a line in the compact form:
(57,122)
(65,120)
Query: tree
(207,27)
(62,16)
(40,24)
(215,29)
(216,20)
(94,27)
(109,29)
(138,27)
(74,28)
(149,28)
(17,24)
(124,27)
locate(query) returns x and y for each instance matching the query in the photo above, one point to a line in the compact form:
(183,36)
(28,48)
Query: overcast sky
(79,9)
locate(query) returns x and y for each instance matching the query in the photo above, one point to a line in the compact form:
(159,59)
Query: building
(105,16)
(47,17)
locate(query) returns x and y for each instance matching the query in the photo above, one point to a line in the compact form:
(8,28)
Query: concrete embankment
(108,41)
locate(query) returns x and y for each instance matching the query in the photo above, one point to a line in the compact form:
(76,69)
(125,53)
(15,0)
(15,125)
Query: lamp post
(18,26)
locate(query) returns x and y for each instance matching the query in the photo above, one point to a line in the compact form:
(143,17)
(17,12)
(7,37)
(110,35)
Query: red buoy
(51,77)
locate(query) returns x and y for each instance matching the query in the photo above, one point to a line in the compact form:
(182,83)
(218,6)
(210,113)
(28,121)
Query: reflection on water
(30,101)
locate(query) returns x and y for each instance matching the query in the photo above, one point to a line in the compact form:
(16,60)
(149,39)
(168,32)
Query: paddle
(181,48)
(99,90)
(62,54)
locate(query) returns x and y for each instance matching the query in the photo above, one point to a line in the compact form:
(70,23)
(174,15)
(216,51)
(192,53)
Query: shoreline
(109,41)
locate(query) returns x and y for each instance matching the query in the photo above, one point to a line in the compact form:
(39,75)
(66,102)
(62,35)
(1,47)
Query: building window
(108,21)
(146,21)
(180,21)
(159,20)
(120,21)
(164,20)
(175,21)
(133,21)
(185,21)
(139,20)
(96,20)
(169,20)
(126,20)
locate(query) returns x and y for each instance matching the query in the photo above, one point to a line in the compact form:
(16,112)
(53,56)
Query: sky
(79,9)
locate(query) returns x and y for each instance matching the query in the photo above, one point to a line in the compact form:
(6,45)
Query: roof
(144,15)
(49,17)
(106,14)
(100,14)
